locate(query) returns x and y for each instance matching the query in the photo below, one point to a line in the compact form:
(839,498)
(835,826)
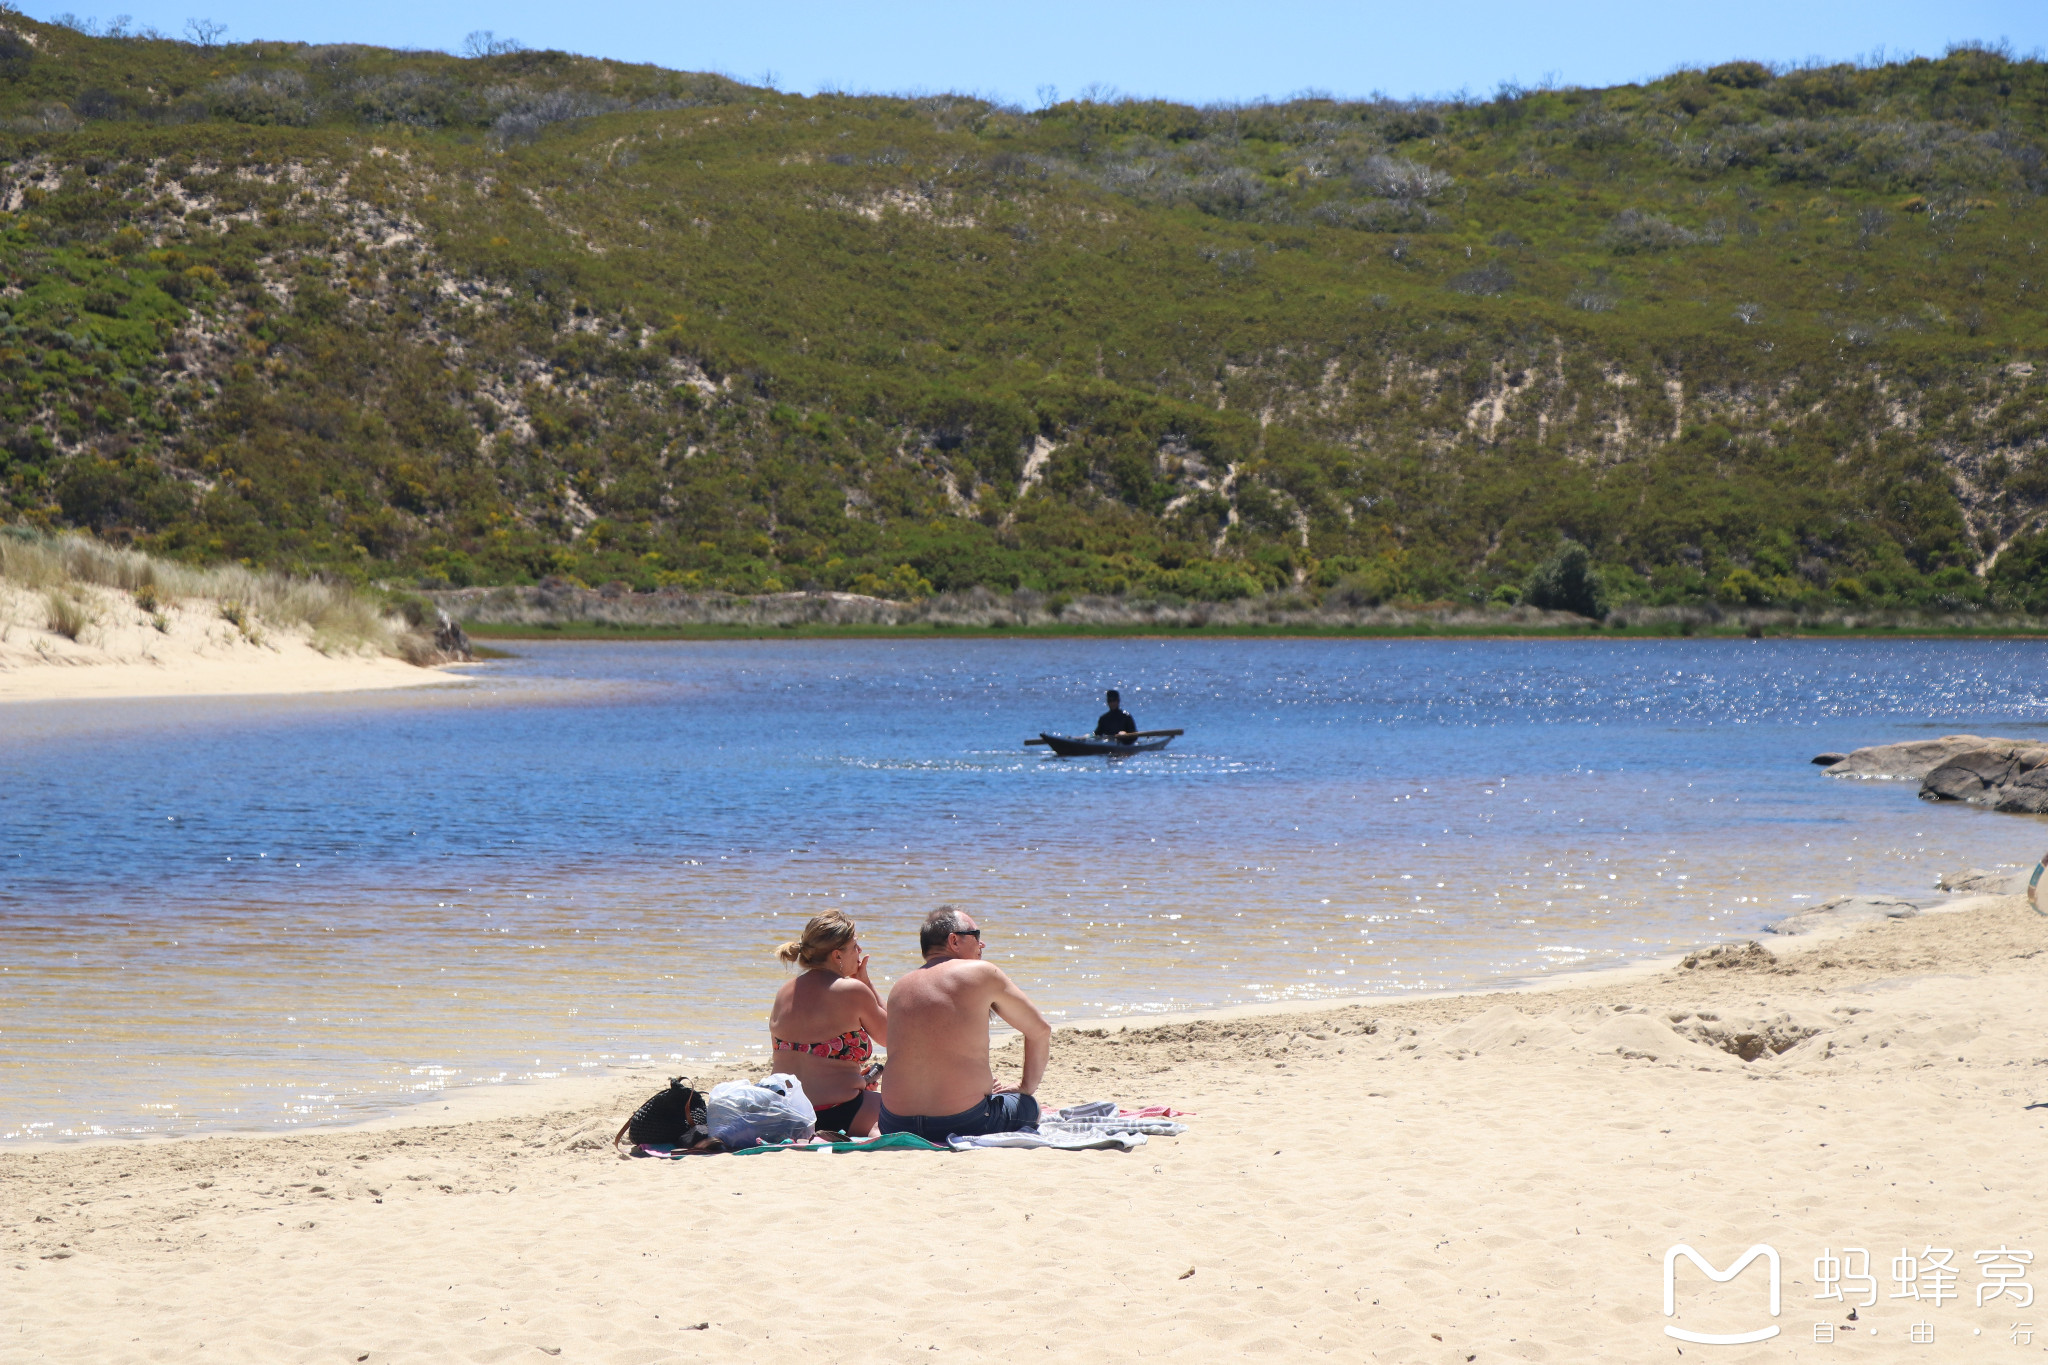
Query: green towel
(888,1142)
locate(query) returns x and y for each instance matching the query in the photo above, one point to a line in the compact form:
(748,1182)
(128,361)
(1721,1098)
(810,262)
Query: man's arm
(1014,1008)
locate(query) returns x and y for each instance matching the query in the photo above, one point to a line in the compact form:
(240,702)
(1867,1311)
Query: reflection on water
(258,913)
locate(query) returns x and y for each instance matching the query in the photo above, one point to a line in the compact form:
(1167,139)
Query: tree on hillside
(484,42)
(1565,582)
(2020,577)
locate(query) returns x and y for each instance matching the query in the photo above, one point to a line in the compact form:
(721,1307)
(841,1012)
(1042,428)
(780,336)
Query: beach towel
(887,1142)
(1113,1124)
(1106,1116)
(890,1142)
(1044,1137)
(1098,1125)
(1093,1109)
(1103,1116)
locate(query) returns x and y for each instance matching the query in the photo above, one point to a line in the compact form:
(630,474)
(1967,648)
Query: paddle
(1134,734)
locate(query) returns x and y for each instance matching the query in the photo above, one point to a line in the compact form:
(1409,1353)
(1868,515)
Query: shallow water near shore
(268,913)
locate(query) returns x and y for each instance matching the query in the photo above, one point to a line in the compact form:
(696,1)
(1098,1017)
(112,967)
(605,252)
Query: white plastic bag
(743,1114)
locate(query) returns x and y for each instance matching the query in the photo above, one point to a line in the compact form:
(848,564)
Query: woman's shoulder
(852,990)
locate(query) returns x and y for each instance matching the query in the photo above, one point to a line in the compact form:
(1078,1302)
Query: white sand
(123,654)
(1466,1179)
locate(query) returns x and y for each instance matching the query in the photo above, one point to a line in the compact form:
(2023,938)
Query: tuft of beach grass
(68,616)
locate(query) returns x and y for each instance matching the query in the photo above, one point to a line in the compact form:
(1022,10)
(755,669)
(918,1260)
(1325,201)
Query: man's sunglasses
(968,933)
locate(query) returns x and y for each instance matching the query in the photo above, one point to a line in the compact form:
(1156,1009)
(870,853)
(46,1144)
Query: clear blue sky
(1192,50)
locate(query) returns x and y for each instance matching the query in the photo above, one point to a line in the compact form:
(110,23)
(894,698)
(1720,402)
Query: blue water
(257,913)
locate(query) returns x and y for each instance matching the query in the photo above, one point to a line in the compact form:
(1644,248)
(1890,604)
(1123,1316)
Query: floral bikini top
(852,1046)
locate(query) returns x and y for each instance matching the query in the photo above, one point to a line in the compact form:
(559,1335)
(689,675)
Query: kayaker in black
(1116,720)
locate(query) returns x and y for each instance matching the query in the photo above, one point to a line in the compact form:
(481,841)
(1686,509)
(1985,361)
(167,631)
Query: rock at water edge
(2012,777)
(1912,760)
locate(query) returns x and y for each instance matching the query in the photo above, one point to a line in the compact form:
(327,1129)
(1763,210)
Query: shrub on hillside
(2020,577)
(276,97)
(409,97)
(903,584)
(523,114)
(1566,582)
(1358,581)
(1632,231)
(1744,588)
(1401,180)
(1206,580)
(1486,281)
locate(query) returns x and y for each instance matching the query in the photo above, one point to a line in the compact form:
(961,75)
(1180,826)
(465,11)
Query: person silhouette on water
(1115,721)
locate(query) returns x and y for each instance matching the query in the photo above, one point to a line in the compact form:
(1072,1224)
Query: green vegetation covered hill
(1770,337)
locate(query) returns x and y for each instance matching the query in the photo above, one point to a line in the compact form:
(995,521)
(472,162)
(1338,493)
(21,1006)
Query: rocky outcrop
(1833,916)
(2000,774)
(2006,776)
(443,642)
(452,640)
(1911,761)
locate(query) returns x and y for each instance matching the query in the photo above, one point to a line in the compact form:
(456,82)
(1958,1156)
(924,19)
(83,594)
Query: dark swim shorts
(996,1114)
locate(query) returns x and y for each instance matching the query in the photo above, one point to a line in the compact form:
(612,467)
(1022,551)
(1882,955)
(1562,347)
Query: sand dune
(122,652)
(1464,1179)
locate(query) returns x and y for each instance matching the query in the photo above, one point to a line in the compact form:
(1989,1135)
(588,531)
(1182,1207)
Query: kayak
(1080,746)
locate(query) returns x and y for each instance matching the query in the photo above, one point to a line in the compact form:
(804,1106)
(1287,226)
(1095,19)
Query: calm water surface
(243,913)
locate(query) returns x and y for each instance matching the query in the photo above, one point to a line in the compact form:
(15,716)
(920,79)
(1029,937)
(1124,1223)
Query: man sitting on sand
(938,1082)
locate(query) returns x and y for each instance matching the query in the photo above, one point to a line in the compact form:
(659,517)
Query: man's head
(949,932)
(1113,699)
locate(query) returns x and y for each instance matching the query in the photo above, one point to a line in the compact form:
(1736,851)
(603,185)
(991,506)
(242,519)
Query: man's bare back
(938,1029)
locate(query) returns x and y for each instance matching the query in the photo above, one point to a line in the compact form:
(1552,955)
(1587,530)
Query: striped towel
(1066,1142)
(1103,1116)
(1113,1123)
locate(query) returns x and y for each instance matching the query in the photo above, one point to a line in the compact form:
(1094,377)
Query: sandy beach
(124,653)
(1462,1179)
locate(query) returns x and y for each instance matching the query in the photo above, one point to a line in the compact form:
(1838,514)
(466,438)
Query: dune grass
(68,616)
(338,617)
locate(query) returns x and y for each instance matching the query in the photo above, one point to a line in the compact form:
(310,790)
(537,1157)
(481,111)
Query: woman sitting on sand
(833,1001)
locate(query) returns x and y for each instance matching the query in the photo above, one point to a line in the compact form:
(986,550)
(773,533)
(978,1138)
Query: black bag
(671,1118)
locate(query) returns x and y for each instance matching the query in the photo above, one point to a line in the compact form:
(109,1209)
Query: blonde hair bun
(825,935)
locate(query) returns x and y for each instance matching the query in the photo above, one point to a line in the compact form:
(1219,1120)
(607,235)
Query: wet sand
(1467,1178)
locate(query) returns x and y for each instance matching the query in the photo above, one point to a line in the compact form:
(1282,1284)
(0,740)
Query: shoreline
(1492,1176)
(291,666)
(518,1101)
(566,609)
(485,1103)
(602,632)
(286,677)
